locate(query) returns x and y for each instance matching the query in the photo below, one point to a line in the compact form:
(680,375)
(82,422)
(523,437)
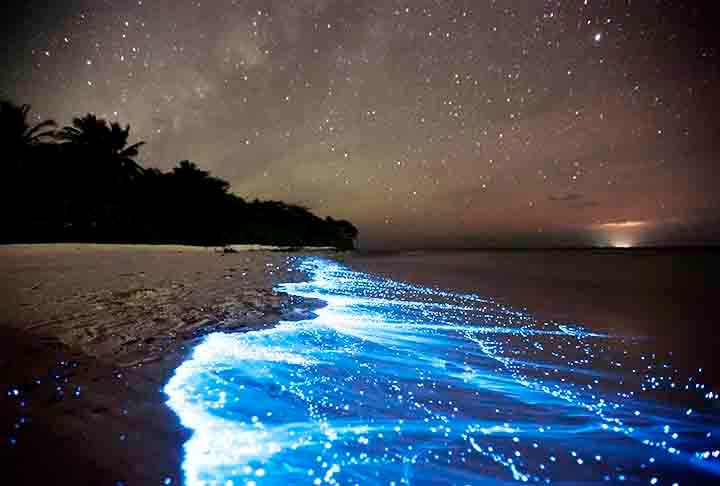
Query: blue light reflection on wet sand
(398,384)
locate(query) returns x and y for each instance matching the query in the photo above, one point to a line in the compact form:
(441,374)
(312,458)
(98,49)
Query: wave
(398,384)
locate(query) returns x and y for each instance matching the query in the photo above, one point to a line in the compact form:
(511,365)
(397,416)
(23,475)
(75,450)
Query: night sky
(426,123)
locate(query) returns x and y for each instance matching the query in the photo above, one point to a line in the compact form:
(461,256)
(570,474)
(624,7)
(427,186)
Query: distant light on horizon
(622,234)
(622,239)
(622,243)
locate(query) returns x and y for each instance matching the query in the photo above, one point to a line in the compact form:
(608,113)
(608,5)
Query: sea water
(393,383)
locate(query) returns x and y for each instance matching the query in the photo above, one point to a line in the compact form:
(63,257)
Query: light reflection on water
(399,384)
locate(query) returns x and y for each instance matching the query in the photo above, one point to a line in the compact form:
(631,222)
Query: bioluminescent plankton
(398,384)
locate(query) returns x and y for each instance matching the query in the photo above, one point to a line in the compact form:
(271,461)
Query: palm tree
(20,170)
(17,134)
(104,142)
(102,176)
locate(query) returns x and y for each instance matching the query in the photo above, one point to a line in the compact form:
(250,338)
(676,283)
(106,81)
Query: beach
(90,334)
(451,353)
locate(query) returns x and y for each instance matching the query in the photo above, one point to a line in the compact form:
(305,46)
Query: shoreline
(90,334)
(168,247)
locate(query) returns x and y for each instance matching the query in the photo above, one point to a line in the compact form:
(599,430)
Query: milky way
(424,122)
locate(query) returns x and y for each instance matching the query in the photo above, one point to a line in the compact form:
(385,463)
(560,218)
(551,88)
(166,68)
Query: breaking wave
(397,384)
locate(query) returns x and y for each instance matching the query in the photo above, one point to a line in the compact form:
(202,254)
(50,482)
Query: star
(406,98)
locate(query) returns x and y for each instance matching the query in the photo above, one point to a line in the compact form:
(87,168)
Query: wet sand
(89,334)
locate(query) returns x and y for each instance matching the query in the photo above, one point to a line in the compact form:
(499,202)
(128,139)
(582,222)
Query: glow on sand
(398,384)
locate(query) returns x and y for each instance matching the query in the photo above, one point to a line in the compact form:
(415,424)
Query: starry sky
(426,123)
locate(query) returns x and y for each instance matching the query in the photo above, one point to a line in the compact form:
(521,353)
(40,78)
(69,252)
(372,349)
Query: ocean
(666,296)
(464,368)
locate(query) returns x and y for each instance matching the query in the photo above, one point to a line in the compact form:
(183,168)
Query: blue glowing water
(398,384)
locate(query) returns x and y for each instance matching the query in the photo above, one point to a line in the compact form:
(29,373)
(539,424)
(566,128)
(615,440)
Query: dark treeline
(81,183)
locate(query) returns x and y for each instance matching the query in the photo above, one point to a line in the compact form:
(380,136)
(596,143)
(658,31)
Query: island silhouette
(82,183)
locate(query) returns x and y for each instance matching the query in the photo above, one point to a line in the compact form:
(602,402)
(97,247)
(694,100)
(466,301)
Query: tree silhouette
(20,141)
(105,143)
(17,134)
(100,176)
(89,187)
(189,174)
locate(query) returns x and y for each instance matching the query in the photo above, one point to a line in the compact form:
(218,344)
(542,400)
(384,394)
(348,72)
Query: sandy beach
(89,334)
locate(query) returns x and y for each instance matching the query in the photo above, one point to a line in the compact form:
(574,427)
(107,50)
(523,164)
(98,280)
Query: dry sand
(89,334)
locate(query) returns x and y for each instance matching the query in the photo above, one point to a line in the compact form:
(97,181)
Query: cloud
(573,200)
(648,223)
(566,197)
(624,225)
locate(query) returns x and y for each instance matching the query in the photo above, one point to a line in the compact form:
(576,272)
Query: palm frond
(31,133)
(38,136)
(132,150)
(69,134)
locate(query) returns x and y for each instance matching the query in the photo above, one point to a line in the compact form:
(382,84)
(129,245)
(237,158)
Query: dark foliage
(83,184)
